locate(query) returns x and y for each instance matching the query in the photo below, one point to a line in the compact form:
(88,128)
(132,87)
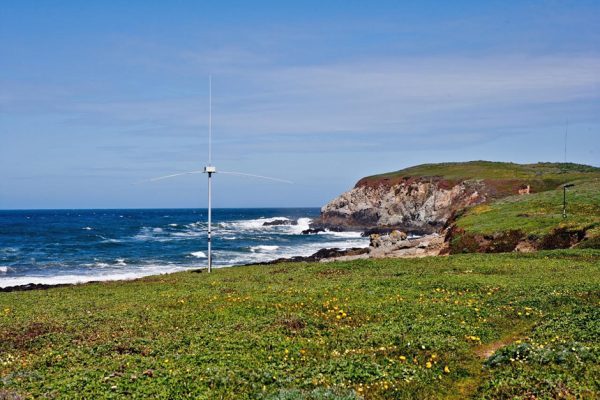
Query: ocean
(70,246)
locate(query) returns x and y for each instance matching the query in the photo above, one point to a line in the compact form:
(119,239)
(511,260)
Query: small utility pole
(565,198)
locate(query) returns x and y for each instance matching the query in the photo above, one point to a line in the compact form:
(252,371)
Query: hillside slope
(531,222)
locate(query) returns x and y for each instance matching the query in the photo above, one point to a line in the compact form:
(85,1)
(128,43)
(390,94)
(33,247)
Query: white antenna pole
(209,120)
(209,222)
(209,169)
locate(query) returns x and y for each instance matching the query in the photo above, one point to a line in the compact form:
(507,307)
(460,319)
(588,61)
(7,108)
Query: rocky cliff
(411,204)
(423,199)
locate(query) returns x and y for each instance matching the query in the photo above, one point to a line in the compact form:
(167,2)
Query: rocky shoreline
(396,244)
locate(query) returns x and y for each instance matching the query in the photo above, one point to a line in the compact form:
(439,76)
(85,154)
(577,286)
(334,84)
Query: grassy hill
(503,178)
(538,214)
(559,172)
(464,326)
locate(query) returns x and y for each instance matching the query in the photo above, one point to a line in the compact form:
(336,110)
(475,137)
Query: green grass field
(538,213)
(559,172)
(466,326)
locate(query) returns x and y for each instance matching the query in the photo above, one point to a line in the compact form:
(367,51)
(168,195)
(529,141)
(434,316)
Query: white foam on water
(87,228)
(121,262)
(187,234)
(198,254)
(173,225)
(107,240)
(342,234)
(155,269)
(263,248)
(303,224)
(3,270)
(253,224)
(157,230)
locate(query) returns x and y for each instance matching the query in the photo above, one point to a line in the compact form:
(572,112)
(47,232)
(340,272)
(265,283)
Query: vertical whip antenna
(209,170)
(209,119)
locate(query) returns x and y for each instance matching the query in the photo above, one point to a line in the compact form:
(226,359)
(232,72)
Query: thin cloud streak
(383,96)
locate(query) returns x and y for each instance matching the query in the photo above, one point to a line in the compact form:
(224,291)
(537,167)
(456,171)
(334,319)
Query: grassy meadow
(538,214)
(554,173)
(488,326)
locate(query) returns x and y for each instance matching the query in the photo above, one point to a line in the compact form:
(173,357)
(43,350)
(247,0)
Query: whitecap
(263,248)
(146,270)
(3,270)
(186,234)
(111,241)
(302,225)
(121,262)
(253,224)
(173,225)
(198,254)
(87,228)
(342,234)
(157,230)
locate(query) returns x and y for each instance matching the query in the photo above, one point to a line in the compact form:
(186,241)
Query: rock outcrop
(397,245)
(416,205)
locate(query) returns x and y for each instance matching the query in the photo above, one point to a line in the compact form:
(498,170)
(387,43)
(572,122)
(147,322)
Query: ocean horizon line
(159,208)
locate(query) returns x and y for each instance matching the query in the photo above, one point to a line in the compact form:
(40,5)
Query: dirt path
(468,386)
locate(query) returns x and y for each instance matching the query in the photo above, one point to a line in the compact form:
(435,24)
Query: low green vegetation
(538,213)
(466,326)
(555,172)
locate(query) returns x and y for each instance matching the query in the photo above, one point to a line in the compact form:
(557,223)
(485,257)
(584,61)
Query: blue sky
(95,97)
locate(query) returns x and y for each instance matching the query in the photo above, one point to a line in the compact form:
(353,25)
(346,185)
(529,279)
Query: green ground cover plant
(464,326)
(556,172)
(538,213)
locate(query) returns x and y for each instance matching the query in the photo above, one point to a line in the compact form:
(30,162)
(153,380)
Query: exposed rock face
(420,205)
(397,245)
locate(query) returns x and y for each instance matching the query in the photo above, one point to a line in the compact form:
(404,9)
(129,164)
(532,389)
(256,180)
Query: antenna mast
(209,169)
(210,120)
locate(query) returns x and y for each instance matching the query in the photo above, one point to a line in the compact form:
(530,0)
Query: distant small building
(524,189)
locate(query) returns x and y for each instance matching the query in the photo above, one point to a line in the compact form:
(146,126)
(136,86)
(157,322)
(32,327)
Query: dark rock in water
(310,231)
(318,256)
(278,222)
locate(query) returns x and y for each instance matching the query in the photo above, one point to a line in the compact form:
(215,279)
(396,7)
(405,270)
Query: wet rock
(318,256)
(279,222)
(312,231)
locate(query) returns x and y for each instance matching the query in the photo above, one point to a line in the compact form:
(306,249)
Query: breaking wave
(198,254)
(263,248)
